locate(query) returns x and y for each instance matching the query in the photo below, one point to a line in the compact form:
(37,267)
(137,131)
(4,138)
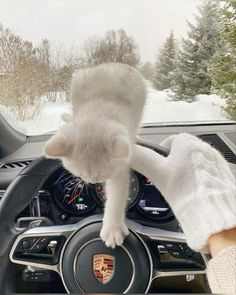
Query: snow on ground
(48,120)
(158,109)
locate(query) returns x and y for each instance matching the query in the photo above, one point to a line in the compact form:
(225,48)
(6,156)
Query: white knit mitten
(197,183)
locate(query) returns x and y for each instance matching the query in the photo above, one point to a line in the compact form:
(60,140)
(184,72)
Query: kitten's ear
(120,147)
(57,146)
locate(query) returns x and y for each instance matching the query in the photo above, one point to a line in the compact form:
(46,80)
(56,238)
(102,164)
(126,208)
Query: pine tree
(223,68)
(191,76)
(165,64)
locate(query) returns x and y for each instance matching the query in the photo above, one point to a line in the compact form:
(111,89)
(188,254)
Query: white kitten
(95,143)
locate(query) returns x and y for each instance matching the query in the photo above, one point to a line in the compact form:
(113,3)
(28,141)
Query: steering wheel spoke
(170,254)
(41,247)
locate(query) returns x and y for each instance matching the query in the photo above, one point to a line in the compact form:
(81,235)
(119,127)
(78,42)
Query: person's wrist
(221,241)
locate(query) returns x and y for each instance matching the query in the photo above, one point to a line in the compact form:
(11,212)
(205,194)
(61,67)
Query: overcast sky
(70,22)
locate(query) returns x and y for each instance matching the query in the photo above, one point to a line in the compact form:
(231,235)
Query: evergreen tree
(191,76)
(223,68)
(165,64)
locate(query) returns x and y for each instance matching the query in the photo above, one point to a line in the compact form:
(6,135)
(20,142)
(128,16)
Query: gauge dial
(134,190)
(72,195)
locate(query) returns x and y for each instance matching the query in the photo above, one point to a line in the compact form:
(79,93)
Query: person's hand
(197,183)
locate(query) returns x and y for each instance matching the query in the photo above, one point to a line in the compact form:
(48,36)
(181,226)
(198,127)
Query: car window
(184,49)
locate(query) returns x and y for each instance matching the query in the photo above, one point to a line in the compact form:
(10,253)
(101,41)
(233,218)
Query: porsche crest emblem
(103,267)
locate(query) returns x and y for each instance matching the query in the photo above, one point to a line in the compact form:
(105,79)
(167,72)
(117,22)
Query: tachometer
(134,190)
(72,194)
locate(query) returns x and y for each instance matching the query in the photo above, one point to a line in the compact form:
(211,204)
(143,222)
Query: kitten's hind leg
(114,229)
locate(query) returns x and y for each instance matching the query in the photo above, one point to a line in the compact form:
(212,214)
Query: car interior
(50,220)
(49,227)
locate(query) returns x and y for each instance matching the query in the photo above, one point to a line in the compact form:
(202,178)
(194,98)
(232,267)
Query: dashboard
(65,199)
(70,198)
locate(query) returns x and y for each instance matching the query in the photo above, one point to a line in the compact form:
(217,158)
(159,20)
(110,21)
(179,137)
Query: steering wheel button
(171,246)
(33,240)
(36,247)
(26,244)
(189,252)
(176,254)
(43,240)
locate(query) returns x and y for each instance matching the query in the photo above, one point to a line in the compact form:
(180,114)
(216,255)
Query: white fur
(107,105)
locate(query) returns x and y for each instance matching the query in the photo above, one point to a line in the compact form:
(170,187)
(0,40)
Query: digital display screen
(152,204)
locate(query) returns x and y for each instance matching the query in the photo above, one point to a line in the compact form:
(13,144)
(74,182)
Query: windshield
(184,49)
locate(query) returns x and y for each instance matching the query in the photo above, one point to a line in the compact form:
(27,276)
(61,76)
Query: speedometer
(134,190)
(72,194)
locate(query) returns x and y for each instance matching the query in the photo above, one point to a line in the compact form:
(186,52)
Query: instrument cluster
(75,197)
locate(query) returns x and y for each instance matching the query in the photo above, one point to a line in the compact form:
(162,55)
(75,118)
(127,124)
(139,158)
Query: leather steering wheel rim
(17,196)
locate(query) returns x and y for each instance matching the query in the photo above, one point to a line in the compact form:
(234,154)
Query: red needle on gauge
(72,199)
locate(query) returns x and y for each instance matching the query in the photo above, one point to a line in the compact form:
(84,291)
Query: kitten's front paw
(113,234)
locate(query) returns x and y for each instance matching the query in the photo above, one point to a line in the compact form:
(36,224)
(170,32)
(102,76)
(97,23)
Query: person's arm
(221,271)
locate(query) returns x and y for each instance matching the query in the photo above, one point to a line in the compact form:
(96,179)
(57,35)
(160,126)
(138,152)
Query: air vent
(16,164)
(215,141)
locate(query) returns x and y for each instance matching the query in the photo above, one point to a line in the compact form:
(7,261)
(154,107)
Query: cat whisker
(73,187)
(68,183)
(63,179)
(81,189)
(78,182)
(61,176)
(74,190)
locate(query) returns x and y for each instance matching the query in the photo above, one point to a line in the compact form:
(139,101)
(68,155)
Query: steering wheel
(80,257)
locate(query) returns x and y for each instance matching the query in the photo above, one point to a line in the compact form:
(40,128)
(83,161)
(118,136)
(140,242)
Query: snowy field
(158,109)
